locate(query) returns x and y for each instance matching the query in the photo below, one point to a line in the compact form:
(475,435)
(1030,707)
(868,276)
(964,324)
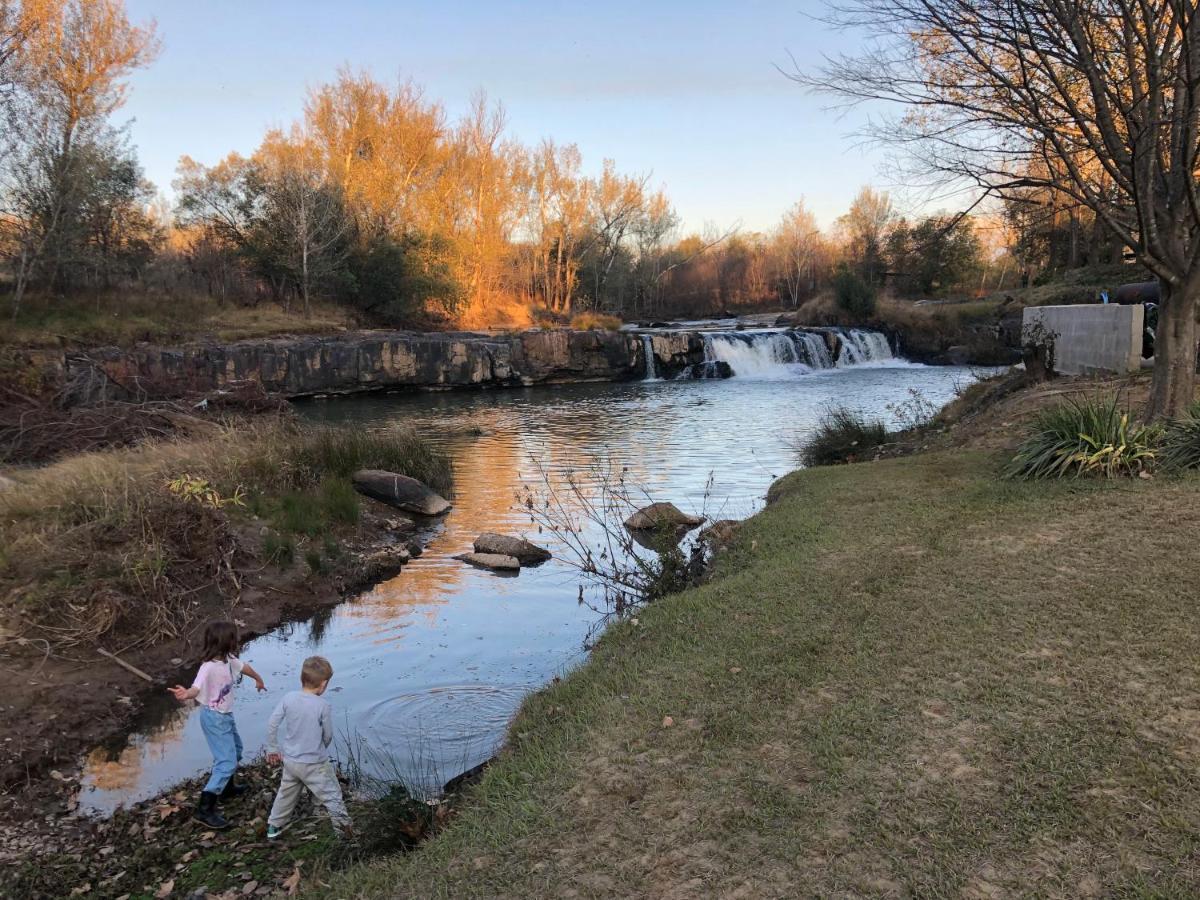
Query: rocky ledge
(351,362)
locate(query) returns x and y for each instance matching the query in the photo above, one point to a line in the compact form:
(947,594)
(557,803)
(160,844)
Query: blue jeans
(226,745)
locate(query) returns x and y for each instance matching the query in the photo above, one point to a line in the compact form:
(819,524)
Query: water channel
(431,665)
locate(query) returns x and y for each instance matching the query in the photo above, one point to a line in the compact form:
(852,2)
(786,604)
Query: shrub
(1181,441)
(1085,437)
(589,321)
(854,294)
(842,436)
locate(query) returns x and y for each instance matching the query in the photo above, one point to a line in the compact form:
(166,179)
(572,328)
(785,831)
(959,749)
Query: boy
(307,723)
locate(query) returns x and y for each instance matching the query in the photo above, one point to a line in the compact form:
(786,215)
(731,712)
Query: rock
(415,549)
(717,368)
(383,564)
(400,491)
(495,561)
(662,515)
(957,355)
(504,545)
(720,533)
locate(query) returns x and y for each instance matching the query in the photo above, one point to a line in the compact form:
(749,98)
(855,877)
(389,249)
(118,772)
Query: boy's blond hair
(315,670)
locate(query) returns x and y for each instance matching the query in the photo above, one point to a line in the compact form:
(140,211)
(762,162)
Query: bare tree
(1097,99)
(796,240)
(313,226)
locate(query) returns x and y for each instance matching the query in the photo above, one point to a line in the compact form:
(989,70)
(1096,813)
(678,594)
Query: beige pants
(319,778)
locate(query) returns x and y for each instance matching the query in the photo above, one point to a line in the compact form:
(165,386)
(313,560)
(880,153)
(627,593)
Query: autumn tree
(73,59)
(865,226)
(795,241)
(1094,98)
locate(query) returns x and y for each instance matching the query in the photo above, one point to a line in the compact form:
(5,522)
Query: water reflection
(430,666)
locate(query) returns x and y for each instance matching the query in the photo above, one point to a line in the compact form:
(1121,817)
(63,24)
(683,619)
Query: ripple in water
(436,733)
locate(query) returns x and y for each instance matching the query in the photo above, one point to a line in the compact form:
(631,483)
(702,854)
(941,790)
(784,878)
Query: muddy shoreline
(61,704)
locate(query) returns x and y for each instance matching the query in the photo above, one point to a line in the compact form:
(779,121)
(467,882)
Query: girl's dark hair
(220,641)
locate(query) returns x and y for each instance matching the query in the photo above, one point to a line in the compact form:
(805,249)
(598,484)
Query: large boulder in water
(400,491)
(496,561)
(662,516)
(506,545)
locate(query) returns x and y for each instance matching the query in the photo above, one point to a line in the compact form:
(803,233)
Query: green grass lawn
(910,678)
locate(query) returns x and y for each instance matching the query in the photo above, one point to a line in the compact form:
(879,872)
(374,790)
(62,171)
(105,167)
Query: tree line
(375,199)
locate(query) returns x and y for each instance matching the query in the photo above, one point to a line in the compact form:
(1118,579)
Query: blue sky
(685,91)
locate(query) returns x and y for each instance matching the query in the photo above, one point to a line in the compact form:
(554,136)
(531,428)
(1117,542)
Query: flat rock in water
(505,545)
(400,491)
(662,515)
(497,561)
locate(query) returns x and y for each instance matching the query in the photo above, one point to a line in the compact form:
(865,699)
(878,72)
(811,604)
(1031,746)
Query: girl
(213,690)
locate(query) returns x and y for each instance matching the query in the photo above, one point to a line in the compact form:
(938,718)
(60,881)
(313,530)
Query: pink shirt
(215,683)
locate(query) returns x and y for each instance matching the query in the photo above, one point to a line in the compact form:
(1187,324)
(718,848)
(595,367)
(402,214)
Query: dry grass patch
(124,318)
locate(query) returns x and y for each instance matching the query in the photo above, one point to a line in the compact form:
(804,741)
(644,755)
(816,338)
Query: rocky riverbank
(345,363)
(354,362)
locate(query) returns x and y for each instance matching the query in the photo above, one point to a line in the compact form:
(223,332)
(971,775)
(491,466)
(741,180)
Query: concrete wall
(1094,337)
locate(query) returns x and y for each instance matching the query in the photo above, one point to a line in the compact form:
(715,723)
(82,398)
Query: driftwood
(124,665)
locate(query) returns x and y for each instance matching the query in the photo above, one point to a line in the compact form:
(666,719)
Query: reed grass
(842,436)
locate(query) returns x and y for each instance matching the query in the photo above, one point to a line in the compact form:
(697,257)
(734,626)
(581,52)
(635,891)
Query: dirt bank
(61,702)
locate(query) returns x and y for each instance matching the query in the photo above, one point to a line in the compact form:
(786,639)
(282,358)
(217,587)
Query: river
(431,665)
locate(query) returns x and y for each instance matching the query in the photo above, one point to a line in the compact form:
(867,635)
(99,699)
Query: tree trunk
(1175,350)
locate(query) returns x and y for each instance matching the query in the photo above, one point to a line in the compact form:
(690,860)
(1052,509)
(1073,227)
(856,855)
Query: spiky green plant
(1086,437)
(1181,442)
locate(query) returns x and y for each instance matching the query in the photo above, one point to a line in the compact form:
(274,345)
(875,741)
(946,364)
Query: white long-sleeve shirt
(307,722)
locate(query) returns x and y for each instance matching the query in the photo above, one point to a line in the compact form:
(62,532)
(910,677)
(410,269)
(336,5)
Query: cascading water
(774,354)
(863,346)
(648,352)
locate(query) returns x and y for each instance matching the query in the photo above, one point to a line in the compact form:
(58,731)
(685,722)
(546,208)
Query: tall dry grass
(124,544)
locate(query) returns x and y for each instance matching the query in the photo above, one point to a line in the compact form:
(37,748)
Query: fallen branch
(124,665)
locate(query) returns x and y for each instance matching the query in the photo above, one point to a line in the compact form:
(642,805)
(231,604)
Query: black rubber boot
(233,790)
(206,812)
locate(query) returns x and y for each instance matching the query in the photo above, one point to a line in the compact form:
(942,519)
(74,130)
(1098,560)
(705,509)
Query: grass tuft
(591,321)
(843,436)
(1181,442)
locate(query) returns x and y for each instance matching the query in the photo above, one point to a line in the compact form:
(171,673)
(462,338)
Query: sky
(685,91)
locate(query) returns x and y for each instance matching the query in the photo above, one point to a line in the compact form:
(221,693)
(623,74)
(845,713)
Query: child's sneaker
(273,833)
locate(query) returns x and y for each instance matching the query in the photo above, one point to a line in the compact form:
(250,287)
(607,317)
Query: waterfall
(648,352)
(779,354)
(863,347)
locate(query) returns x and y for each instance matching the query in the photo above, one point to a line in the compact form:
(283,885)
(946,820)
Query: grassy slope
(910,678)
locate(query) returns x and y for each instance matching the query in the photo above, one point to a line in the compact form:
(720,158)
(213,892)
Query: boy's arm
(327,725)
(273,729)
(248,669)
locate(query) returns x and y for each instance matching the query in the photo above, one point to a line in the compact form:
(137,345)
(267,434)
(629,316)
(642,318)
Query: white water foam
(775,354)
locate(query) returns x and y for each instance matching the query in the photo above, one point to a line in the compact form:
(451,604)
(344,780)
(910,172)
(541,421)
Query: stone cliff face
(348,363)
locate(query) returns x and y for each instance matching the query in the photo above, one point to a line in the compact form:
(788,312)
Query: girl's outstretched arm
(182,694)
(247,669)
